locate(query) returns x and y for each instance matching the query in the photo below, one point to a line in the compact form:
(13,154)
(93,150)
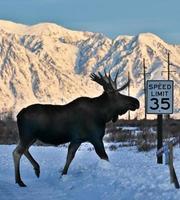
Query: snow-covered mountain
(50,64)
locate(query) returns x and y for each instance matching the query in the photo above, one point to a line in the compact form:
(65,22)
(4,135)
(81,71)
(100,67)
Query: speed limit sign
(159,97)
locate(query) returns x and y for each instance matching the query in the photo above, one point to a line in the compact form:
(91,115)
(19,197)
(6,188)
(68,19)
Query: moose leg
(71,153)
(99,148)
(33,162)
(17,153)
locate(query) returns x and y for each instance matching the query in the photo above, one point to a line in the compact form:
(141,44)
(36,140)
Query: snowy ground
(129,175)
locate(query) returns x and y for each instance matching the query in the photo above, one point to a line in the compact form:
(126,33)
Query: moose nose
(137,104)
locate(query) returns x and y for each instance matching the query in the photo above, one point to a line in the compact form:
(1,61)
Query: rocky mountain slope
(50,64)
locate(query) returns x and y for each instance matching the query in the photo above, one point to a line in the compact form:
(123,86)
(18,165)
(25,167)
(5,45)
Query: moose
(82,120)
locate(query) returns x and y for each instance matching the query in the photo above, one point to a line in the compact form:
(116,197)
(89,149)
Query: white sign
(159,97)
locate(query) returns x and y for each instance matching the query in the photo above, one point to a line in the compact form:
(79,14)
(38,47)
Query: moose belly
(53,137)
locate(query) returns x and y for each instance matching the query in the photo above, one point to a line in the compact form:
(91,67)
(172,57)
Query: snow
(42,29)
(129,175)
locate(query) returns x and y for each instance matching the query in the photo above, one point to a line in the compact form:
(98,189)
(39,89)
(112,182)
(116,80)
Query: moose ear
(115,118)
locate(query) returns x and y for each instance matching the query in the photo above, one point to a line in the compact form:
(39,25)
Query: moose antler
(106,81)
(102,80)
(124,86)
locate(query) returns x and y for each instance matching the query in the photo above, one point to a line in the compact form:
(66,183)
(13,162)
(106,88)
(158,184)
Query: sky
(110,17)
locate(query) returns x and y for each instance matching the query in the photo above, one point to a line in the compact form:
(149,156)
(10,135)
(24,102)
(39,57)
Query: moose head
(119,103)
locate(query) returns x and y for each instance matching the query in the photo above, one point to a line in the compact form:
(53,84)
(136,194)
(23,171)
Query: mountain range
(47,63)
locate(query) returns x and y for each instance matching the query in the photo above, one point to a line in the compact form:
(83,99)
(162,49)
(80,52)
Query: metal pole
(144,74)
(168,115)
(168,66)
(159,136)
(129,115)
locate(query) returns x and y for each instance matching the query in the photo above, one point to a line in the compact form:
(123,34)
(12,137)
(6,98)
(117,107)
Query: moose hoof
(64,173)
(21,184)
(37,172)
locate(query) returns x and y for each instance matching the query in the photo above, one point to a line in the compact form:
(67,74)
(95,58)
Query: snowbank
(129,175)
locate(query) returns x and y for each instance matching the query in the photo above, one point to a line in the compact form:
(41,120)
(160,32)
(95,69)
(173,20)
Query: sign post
(159,136)
(159,100)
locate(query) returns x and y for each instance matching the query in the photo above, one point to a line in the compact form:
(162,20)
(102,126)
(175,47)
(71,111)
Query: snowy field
(129,175)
